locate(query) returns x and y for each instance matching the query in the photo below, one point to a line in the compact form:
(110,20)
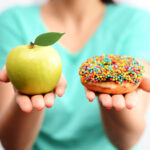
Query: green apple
(34,69)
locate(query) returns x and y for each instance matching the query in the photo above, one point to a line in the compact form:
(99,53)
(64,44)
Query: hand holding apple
(38,102)
(35,69)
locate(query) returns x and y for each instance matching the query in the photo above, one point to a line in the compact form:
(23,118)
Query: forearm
(122,136)
(17,129)
(125,128)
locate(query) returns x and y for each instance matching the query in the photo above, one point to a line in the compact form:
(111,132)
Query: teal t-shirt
(74,123)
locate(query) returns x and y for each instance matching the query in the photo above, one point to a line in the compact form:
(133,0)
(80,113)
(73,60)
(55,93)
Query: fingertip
(91,100)
(106,100)
(90,95)
(24,103)
(145,83)
(38,102)
(3,75)
(26,106)
(118,102)
(129,107)
(40,108)
(49,99)
(131,100)
(48,106)
(108,108)
(28,112)
(119,108)
(60,92)
(61,86)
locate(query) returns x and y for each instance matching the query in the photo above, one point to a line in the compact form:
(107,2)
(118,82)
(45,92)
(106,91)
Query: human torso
(73,122)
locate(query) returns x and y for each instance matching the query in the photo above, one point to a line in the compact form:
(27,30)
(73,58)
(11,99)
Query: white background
(7,3)
(145,4)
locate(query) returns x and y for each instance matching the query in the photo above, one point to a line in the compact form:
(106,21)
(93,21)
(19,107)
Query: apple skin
(34,70)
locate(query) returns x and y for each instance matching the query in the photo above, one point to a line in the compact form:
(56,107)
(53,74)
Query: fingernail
(60,95)
(90,100)
(40,109)
(28,112)
(118,109)
(129,107)
(108,108)
(48,106)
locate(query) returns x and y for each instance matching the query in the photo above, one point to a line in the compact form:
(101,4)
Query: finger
(118,102)
(145,84)
(24,103)
(38,102)
(49,99)
(90,95)
(106,100)
(61,86)
(131,99)
(3,75)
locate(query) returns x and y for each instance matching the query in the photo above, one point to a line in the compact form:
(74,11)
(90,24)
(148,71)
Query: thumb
(145,84)
(4,75)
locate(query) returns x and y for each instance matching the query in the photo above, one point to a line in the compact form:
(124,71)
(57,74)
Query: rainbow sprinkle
(116,68)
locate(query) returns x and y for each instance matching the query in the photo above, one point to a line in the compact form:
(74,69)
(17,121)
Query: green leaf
(47,39)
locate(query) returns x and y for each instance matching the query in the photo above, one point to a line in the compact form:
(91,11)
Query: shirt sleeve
(136,42)
(10,34)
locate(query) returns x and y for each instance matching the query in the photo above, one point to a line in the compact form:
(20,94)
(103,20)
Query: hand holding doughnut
(117,101)
(111,74)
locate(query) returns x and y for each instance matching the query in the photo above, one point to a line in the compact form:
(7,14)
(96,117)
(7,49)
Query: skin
(20,113)
(122,115)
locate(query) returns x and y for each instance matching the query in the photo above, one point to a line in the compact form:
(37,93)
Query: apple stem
(31,45)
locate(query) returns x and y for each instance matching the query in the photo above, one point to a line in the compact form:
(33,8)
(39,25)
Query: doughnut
(111,74)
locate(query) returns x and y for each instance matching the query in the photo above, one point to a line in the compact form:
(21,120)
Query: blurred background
(144,4)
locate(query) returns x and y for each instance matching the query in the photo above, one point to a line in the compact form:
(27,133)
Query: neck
(76,9)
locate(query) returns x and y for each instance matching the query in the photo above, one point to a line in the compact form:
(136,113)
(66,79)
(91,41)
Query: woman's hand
(127,126)
(116,101)
(120,101)
(38,102)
